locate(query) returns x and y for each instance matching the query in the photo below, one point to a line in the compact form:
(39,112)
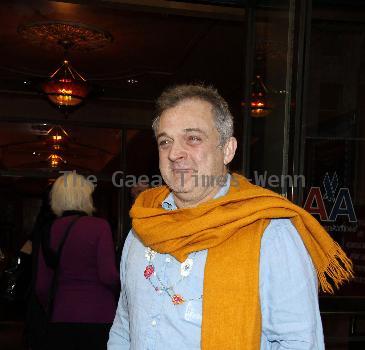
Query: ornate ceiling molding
(50,34)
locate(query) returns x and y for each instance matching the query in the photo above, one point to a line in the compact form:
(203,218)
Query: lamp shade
(55,160)
(259,106)
(66,87)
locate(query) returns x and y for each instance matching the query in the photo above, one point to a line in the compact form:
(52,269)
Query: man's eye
(163,143)
(194,139)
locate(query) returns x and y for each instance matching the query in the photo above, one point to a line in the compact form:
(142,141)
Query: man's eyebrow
(164,134)
(195,130)
(161,134)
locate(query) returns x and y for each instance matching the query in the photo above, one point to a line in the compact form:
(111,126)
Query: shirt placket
(157,306)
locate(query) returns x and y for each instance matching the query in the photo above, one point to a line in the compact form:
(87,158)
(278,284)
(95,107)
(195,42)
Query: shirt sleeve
(288,291)
(119,338)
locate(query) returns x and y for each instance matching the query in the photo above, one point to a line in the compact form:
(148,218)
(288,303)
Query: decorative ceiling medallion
(49,34)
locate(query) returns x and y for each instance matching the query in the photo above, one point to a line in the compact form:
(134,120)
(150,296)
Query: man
(212,261)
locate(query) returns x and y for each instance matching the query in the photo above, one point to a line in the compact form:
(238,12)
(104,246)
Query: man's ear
(229,150)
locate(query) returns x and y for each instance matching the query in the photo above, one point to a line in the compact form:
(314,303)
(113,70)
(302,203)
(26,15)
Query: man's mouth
(182,170)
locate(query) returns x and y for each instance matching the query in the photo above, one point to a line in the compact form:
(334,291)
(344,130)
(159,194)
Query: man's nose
(177,152)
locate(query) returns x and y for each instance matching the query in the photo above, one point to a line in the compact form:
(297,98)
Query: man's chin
(180,183)
(178,187)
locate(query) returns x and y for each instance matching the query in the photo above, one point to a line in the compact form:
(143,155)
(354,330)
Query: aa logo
(338,201)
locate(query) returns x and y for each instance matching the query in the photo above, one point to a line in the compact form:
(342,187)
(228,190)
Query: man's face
(190,151)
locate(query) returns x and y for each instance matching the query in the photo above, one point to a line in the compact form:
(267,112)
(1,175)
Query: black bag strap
(54,283)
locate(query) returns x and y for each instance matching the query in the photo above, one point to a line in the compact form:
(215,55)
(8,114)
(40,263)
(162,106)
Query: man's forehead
(185,125)
(192,113)
(192,104)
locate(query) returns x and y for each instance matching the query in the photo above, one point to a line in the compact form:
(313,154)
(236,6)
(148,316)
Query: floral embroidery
(186,267)
(149,271)
(177,299)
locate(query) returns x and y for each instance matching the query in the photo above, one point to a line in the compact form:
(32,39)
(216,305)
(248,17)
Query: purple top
(88,281)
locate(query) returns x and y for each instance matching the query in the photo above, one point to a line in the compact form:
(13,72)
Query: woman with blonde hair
(77,280)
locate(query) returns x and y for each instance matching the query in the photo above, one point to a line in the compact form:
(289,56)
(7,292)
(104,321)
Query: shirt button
(168,259)
(153,323)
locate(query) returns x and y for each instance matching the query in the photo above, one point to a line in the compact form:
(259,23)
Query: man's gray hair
(173,96)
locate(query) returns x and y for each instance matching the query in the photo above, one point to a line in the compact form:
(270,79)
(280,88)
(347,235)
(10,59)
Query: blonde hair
(72,191)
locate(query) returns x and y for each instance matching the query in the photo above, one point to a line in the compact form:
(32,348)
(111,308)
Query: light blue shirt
(146,319)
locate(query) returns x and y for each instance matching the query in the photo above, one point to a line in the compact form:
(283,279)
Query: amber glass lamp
(259,106)
(55,160)
(66,87)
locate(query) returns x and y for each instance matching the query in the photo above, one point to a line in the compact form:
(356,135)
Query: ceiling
(154,48)
(154,44)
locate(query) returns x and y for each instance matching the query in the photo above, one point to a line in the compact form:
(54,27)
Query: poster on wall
(329,197)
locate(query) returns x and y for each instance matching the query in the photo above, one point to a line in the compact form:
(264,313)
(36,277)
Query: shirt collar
(169,202)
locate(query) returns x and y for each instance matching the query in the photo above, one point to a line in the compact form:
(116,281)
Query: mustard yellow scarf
(231,227)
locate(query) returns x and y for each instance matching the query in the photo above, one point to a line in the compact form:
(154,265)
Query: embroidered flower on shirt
(149,270)
(177,299)
(185,267)
(149,254)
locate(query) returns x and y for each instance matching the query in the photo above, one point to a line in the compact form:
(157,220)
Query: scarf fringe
(339,270)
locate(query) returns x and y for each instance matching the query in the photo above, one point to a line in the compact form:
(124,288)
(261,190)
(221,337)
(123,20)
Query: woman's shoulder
(96,223)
